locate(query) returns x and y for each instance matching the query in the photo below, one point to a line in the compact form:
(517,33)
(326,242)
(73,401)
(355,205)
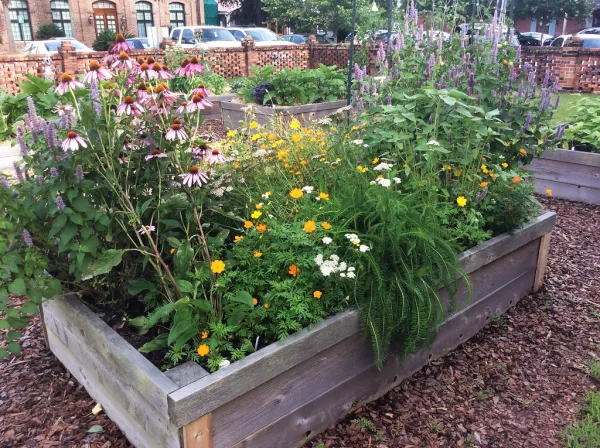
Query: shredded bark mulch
(518,383)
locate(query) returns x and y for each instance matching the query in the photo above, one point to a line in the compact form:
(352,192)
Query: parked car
(140,43)
(561,40)
(590,41)
(595,30)
(539,37)
(204,37)
(51,46)
(263,37)
(303,38)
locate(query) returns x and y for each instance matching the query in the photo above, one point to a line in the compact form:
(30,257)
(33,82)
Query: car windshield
(591,43)
(263,35)
(216,34)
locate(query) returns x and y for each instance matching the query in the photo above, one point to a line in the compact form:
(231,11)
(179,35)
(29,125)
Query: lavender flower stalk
(31,108)
(79,173)
(60,205)
(18,172)
(27,239)
(53,172)
(41,180)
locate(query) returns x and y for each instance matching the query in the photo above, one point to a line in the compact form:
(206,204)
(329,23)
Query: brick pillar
(250,56)
(66,53)
(312,52)
(372,60)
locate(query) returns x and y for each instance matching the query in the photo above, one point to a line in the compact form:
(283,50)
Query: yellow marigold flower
(231,134)
(236,165)
(296,138)
(483,167)
(516,179)
(253,125)
(255,301)
(263,146)
(266,305)
(257,254)
(406,165)
(296,193)
(238,238)
(310,226)
(457,173)
(504,165)
(172,251)
(217,267)
(375,161)
(272,137)
(262,228)
(269,193)
(355,128)
(256,137)
(523,151)
(322,159)
(258,206)
(294,270)
(483,184)
(447,167)
(324,196)
(326,225)
(257,214)
(203,350)
(461,201)
(248,224)
(204,335)
(295,124)
(317,294)
(549,192)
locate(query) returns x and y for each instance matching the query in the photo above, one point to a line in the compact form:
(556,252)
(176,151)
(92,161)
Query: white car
(204,37)
(560,41)
(263,37)
(51,46)
(595,30)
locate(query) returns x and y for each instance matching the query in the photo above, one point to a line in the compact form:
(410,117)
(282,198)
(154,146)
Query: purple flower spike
(27,239)
(60,205)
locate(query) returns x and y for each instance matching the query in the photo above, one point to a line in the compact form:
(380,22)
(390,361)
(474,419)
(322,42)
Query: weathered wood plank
(209,393)
(294,429)
(107,359)
(568,191)
(198,434)
(497,247)
(542,261)
(579,157)
(268,402)
(186,373)
(566,173)
(108,397)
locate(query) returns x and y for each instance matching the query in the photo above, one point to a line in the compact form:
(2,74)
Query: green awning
(211,12)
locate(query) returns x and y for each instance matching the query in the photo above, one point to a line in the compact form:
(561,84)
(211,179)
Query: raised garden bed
(234,114)
(287,392)
(214,112)
(572,175)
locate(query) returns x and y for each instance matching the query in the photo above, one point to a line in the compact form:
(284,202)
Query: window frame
(61,12)
(24,28)
(179,15)
(144,23)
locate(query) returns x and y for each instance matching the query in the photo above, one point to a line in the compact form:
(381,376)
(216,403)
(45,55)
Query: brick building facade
(568,25)
(84,19)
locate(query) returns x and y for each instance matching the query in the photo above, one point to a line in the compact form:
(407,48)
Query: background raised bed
(572,175)
(286,393)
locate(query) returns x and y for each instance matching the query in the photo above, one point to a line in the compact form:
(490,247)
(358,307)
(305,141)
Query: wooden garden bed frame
(288,392)
(572,175)
(235,113)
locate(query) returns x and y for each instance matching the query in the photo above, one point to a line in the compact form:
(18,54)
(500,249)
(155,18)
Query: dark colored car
(303,39)
(139,43)
(527,41)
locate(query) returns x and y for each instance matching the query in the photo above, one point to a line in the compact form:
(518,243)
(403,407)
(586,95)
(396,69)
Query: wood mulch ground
(517,383)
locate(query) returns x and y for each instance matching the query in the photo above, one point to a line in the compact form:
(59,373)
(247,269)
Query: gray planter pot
(234,114)
(570,175)
(288,392)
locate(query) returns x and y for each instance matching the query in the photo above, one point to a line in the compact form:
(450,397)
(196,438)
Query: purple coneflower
(198,151)
(120,45)
(62,109)
(145,73)
(182,107)
(96,73)
(163,98)
(194,177)
(193,68)
(176,132)
(129,107)
(180,71)
(146,229)
(155,154)
(198,102)
(202,90)
(161,71)
(212,156)
(67,83)
(124,62)
(60,205)
(141,91)
(73,142)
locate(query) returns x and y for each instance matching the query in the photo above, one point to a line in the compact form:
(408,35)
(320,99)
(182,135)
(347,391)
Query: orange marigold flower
(483,184)
(523,151)
(549,192)
(317,294)
(326,225)
(217,267)
(296,193)
(257,254)
(203,350)
(294,270)
(204,335)
(324,196)
(248,224)
(255,301)
(262,228)
(258,206)
(266,305)
(310,226)
(517,179)
(238,238)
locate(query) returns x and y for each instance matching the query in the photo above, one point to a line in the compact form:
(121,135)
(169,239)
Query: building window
(19,20)
(61,16)
(143,12)
(176,14)
(105,16)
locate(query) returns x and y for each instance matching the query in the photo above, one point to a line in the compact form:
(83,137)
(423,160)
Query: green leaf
(60,222)
(3,294)
(157,343)
(134,287)
(18,287)
(202,305)
(243,297)
(104,263)
(29,308)
(174,242)
(182,258)
(141,323)
(82,205)
(14,348)
(3,353)
(185,286)
(160,313)
(95,429)
(170,223)
(13,335)
(4,324)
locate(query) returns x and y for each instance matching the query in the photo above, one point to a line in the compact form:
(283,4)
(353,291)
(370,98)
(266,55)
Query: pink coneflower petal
(213,156)
(120,44)
(73,142)
(145,229)
(194,177)
(155,154)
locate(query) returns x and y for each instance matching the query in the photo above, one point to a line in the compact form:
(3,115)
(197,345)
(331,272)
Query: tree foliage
(551,9)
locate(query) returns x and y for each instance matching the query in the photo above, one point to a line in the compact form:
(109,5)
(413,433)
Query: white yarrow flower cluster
(383,167)
(353,238)
(327,240)
(364,248)
(433,143)
(381,181)
(265,196)
(333,265)
(308,189)
(397,180)
(259,153)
